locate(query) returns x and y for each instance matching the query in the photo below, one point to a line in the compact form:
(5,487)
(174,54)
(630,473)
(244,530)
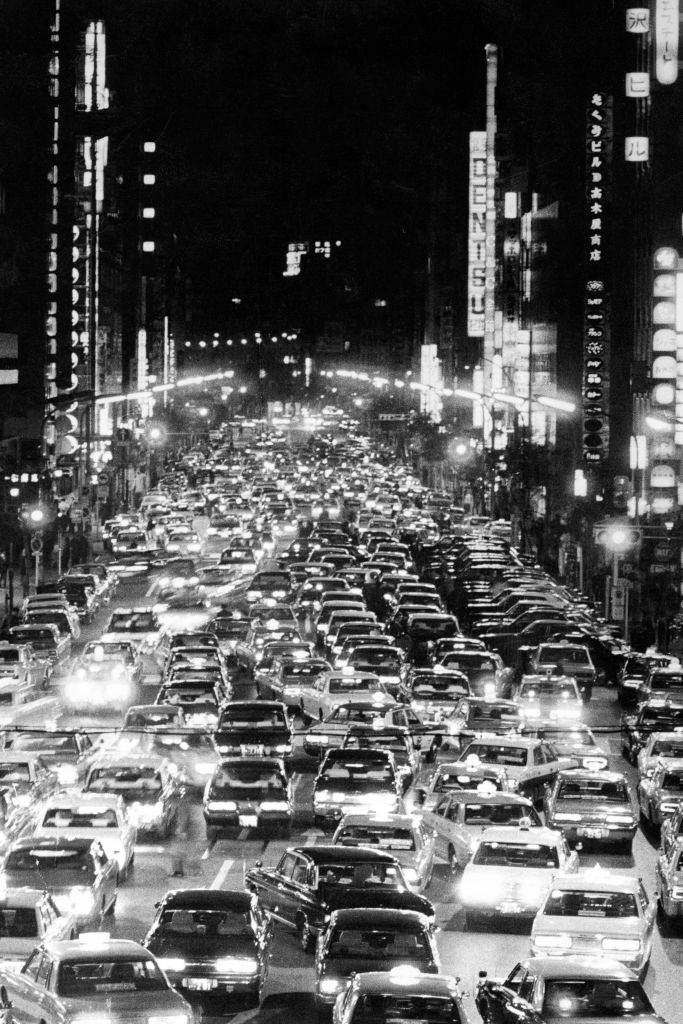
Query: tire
(306,939)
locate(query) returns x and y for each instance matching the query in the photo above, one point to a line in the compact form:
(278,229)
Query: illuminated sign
(596,302)
(636,149)
(638,19)
(476,247)
(637,85)
(666,41)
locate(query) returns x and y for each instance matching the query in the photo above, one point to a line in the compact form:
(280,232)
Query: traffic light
(617,537)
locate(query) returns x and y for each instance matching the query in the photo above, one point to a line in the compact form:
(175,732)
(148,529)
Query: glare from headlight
(552,941)
(411,875)
(330,985)
(67,774)
(236,965)
(204,767)
(171,963)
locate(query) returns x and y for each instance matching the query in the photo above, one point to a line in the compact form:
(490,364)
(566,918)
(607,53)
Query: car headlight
(552,941)
(330,985)
(221,805)
(171,963)
(622,945)
(236,965)
(594,764)
(411,875)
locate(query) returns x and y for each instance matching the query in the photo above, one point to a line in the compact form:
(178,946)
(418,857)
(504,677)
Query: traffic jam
(320,732)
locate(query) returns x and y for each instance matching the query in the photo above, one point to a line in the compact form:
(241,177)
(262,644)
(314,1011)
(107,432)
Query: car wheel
(306,939)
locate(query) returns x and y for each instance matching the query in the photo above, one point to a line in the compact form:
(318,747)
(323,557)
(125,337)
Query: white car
(659,746)
(29,917)
(511,870)
(333,688)
(100,816)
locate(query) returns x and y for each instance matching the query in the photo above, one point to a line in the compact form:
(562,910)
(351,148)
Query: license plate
(593,833)
(199,984)
(251,750)
(509,907)
(248,820)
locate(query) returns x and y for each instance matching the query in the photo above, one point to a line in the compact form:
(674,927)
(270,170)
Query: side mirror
(258,864)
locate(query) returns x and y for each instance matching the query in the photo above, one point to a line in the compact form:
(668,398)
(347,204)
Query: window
(32,965)
(300,872)
(43,975)
(516,977)
(286,865)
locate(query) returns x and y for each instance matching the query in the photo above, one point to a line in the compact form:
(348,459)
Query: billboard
(476,236)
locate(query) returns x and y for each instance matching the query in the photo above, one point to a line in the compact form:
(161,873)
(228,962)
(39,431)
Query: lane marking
(223,872)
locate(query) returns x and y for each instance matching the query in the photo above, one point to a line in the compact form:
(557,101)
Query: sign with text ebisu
(596,301)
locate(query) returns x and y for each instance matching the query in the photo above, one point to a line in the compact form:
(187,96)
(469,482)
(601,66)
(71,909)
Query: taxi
(20,666)
(26,776)
(49,646)
(530,764)
(149,786)
(292,674)
(393,738)
(458,818)
(654,716)
(553,989)
(510,871)
(660,794)
(139,626)
(403,835)
(596,913)
(592,805)
(556,698)
(434,694)
(660,746)
(66,753)
(328,734)
(27,917)
(91,816)
(452,776)
(573,740)
(333,688)
(477,716)
(669,878)
(401,994)
(94,978)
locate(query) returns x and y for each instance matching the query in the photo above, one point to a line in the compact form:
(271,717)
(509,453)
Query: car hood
(336,897)
(196,947)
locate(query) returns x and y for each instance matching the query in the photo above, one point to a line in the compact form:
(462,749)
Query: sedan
(91,816)
(403,835)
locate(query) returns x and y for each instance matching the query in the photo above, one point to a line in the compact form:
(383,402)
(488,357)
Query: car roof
(578,967)
(77,798)
(525,742)
(342,854)
(382,917)
(590,774)
(21,897)
(96,948)
(396,820)
(472,796)
(423,984)
(53,843)
(231,899)
(596,880)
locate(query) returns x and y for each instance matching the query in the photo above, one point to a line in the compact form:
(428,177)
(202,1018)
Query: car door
(28,991)
(272,885)
(437,819)
(648,909)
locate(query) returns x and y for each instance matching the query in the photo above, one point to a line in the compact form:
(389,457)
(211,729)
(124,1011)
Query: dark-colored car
(249,792)
(595,806)
(377,939)
(309,882)
(212,943)
(654,716)
(254,728)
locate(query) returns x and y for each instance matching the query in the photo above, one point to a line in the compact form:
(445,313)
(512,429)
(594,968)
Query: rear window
(562,903)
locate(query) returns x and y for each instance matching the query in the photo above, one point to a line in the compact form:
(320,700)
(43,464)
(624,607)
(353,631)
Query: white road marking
(223,872)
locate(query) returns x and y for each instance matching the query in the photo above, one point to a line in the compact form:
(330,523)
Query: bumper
(507,907)
(595,832)
(334,812)
(241,819)
(635,960)
(204,983)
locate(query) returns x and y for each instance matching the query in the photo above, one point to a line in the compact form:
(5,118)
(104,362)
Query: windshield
(564,656)
(380,1008)
(56,742)
(666,680)
(547,688)
(118,651)
(246,780)
(134,781)
(589,998)
(386,837)
(383,657)
(439,690)
(351,684)
(497,814)
(81,979)
(362,777)
(495,753)
(516,855)
(209,924)
(673,781)
(662,718)
(252,718)
(133,622)
(563,903)
(9,656)
(363,874)
(231,628)
(593,789)
(378,944)
(42,861)
(80,817)
(667,748)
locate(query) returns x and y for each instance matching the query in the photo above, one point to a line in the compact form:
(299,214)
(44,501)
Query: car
(330,733)
(660,746)
(458,817)
(102,679)
(29,917)
(139,626)
(487,675)
(150,717)
(573,740)
(248,792)
(633,672)
(149,786)
(402,835)
(653,716)
(81,592)
(592,805)
(333,688)
(21,667)
(551,989)
(49,646)
(254,728)
(660,793)
(76,872)
(91,816)
(596,913)
(452,776)
(95,977)
(571,658)
(401,994)
(27,777)
(434,694)
(213,945)
(309,882)
(396,739)
(669,876)
(197,697)
(290,677)
(662,682)
(360,937)
(355,781)
(271,585)
(67,753)
(556,698)
(510,870)
(479,716)
(530,764)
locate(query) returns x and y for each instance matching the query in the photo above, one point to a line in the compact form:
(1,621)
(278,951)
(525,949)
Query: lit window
(148,246)
(149,179)
(149,147)
(148,212)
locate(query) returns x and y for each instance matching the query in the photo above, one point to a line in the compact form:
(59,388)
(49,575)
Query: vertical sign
(492,337)
(596,322)
(666,41)
(476,242)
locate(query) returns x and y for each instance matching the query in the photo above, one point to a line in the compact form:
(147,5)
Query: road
(290,983)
